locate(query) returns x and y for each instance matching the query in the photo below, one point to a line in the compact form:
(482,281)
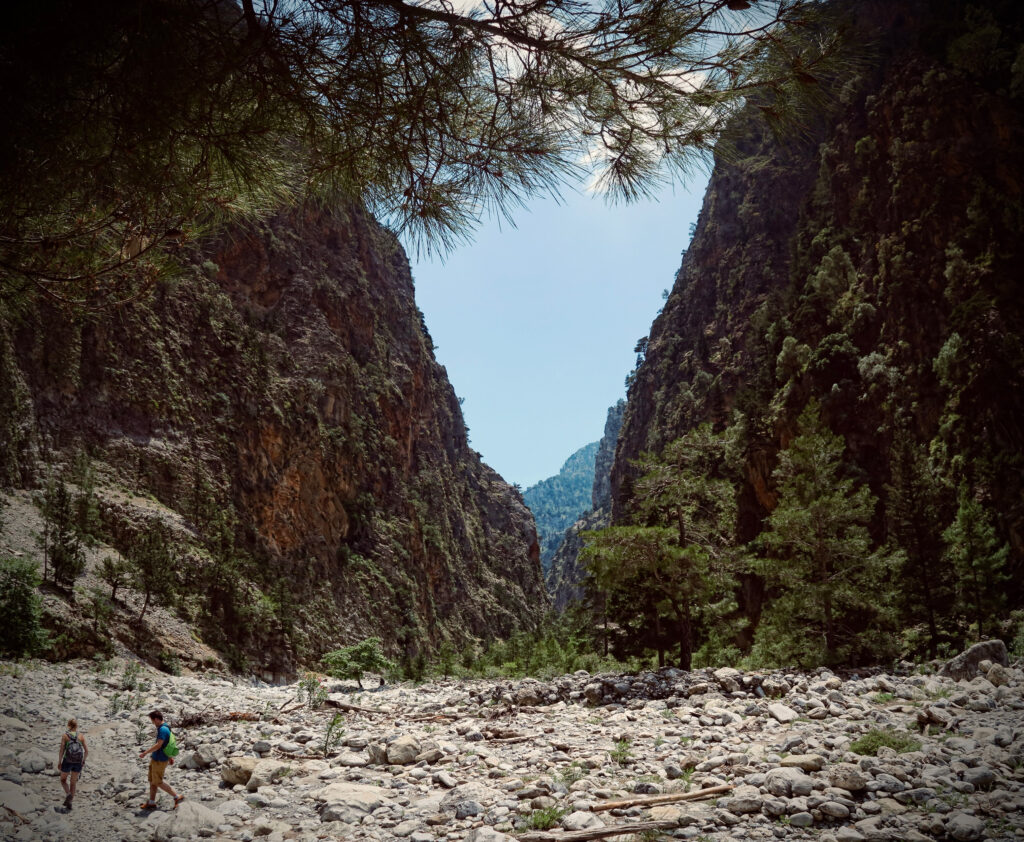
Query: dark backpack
(73,750)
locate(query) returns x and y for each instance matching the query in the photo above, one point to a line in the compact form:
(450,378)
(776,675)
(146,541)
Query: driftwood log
(652,800)
(596,832)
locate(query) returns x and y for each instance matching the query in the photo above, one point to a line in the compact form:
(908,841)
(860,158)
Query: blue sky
(536,324)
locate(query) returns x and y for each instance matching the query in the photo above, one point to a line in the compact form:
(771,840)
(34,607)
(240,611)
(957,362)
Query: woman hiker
(158,762)
(73,753)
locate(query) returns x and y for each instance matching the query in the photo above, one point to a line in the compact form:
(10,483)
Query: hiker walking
(73,753)
(158,762)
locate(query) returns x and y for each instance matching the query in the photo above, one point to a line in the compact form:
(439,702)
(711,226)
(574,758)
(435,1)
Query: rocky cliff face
(284,387)
(564,578)
(873,267)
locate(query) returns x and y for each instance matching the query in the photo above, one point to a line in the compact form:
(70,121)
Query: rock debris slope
(475,760)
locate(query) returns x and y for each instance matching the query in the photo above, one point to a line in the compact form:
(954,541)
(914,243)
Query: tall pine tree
(833,591)
(979,561)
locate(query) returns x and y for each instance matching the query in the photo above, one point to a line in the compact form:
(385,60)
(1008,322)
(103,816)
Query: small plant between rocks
(869,744)
(544,819)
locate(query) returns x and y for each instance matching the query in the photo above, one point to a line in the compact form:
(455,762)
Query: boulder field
(913,754)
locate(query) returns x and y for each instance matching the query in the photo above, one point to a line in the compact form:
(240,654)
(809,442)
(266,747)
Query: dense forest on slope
(275,414)
(843,351)
(557,501)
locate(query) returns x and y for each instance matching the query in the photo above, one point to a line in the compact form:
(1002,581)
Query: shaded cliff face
(564,577)
(286,384)
(875,269)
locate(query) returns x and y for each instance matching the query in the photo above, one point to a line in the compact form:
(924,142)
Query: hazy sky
(537,324)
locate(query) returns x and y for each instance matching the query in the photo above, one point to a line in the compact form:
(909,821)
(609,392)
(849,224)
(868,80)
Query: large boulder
(238,770)
(185,822)
(471,791)
(348,802)
(847,776)
(403,751)
(15,798)
(782,713)
(267,772)
(789,782)
(728,679)
(33,761)
(965,665)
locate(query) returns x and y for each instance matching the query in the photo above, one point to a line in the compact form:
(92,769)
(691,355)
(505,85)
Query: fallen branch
(288,702)
(597,832)
(334,703)
(523,739)
(299,706)
(15,813)
(651,800)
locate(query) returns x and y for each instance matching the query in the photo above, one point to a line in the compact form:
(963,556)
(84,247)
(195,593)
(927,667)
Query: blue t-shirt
(162,733)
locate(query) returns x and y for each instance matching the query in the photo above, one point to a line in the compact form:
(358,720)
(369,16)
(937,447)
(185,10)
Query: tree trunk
(145,605)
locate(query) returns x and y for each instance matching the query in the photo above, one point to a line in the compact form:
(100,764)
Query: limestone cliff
(873,266)
(284,386)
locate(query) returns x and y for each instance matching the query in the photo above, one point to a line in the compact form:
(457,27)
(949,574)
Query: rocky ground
(476,760)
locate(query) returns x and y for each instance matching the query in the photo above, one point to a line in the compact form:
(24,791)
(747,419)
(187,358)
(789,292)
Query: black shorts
(68,766)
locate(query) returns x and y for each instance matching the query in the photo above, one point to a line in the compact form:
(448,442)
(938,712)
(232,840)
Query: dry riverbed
(482,761)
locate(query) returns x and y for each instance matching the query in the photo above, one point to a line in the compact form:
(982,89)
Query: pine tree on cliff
(979,559)
(131,126)
(832,591)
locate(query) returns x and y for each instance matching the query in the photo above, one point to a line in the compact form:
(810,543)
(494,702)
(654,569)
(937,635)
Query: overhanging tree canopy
(131,126)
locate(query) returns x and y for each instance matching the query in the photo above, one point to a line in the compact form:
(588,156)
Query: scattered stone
(782,713)
(965,828)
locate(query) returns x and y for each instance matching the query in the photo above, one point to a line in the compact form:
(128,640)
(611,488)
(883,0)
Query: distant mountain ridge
(557,501)
(564,577)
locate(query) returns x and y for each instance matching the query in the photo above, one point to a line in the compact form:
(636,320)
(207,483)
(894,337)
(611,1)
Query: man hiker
(73,752)
(158,762)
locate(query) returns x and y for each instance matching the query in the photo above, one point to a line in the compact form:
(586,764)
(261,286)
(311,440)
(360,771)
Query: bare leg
(74,781)
(64,782)
(152,793)
(166,788)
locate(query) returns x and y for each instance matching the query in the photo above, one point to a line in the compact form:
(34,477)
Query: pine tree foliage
(133,127)
(979,559)
(61,540)
(833,589)
(672,577)
(914,514)
(154,563)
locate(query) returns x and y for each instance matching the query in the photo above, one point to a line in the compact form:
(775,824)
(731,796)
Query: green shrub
(334,733)
(545,818)
(21,632)
(869,744)
(313,690)
(621,753)
(353,661)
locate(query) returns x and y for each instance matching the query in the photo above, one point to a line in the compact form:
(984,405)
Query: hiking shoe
(148,805)
(177,800)
(67,802)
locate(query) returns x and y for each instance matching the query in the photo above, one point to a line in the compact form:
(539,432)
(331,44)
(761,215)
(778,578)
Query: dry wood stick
(14,812)
(652,800)
(334,703)
(522,739)
(597,832)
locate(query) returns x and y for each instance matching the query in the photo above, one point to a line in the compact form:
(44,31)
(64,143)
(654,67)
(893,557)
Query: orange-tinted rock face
(288,377)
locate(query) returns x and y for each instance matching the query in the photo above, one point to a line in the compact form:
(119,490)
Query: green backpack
(171,749)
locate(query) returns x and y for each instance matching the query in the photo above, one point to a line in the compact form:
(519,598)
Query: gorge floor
(475,760)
